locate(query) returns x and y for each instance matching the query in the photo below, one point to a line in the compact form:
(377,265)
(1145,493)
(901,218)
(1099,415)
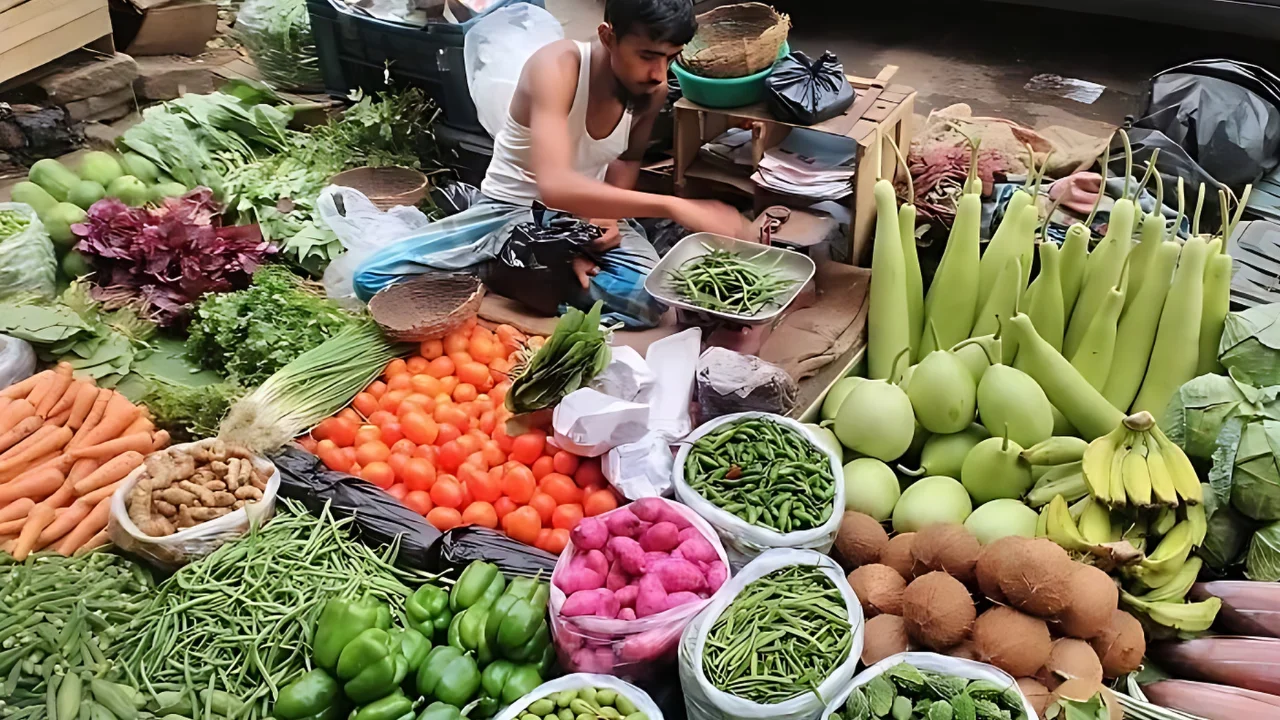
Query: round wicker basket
(426,306)
(736,41)
(386,187)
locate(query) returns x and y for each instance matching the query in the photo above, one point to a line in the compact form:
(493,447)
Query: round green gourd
(1009,398)
(100,167)
(836,395)
(1000,518)
(995,469)
(876,420)
(129,190)
(870,487)
(942,393)
(931,501)
(32,194)
(945,454)
(86,193)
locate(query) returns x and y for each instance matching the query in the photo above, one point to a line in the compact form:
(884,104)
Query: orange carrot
(94,417)
(13,527)
(68,398)
(35,437)
(41,389)
(19,432)
(61,497)
(103,492)
(83,404)
(141,442)
(64,523)
(36,523)
(54,395)
(4,402)
(14,413)
(142,424)
(102,539)
(16,509)
(120,413)
(82,468)
(87,529)
(111,471)
(24,387)
(39,485)
(64,368)
(55,440)
(31,467)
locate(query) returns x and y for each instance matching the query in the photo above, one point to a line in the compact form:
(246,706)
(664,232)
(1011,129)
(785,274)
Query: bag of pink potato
(628,583)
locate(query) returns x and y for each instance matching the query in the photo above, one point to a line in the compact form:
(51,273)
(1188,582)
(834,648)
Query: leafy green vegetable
(1202,405)
(1250,345)
(189,412)
(250,334)
(388,128)
(904,691)
(880,695)
(575,353)
(1263,562)
(1255,483)
(1227,533)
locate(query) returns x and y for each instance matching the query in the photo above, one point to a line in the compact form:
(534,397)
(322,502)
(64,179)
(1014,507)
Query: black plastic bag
(535,265)
(458,547)
(456,197)
(805,92)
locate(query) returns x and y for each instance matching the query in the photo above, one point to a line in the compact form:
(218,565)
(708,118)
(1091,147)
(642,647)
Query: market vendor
(575,133)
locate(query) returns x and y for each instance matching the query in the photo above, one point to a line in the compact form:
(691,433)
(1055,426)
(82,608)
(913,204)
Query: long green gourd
(1002,299)
(1217,303)
(1137,330)
(1176,352)
(1077,400)
(952,301)
(1074,257)
(887,316)
(1045,303)
(1005,243)
(1093,357)
(1150,236)
(1104,266)
(915,285)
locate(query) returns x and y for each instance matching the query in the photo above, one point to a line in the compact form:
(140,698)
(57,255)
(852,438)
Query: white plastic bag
(704,701)
(743,540)
(495,52)
(577,681)
(672,360)
(626,377)
(635,649)
(362,229)
(932,662)
(27,261)
(174,551)
(17,360)
(640,469)
(588,423)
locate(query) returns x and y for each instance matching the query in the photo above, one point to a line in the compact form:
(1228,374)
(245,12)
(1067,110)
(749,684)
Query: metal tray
(790,265)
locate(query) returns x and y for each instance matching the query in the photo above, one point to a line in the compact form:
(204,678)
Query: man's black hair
(669,21)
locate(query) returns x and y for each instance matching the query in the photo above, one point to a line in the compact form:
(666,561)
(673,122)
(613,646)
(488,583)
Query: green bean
(726,282)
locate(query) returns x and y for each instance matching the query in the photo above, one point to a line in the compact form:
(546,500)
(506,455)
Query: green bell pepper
(412,645)
(371,666)
(441,711)
(508,682)
(428,610)
(313,693)
(470,634)
(481,583)
(392,707)
(340,622)
(533,649)
(515,617)
(449,675)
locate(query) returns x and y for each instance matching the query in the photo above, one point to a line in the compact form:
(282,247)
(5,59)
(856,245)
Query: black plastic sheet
(456,197)
(457,548)
(806,92)
(535,264)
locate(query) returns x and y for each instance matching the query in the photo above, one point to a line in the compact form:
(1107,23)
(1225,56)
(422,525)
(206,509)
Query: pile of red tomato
(431,433)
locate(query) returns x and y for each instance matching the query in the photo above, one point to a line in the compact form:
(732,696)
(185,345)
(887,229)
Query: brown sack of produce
(1248,607)
(1243,662)
(1212,702)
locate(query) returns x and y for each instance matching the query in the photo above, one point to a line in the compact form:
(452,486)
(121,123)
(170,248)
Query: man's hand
(710,216)
(611,238)
(584,269)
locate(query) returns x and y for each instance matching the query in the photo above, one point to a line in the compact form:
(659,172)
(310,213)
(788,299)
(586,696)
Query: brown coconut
(965,650)
(897,555)
(987,568)
(1012,641)
(884,635)
(1121,645)
(1036,693)
(938,611)
(1092,598)
(879,588)
(949,548)
(1035,577)
(860,539)
(1070,659)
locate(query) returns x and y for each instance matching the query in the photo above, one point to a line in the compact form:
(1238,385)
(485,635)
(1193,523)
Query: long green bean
(726,282)
(781,637)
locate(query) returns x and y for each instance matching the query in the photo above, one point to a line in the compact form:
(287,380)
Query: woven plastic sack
(17,360)
(577,681)
(745,541)
(932,662)
(704,701)
(174,551)
(634,649)
(27,262)
(277,35)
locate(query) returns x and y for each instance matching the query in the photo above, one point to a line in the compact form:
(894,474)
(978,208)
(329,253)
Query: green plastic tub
(724,92)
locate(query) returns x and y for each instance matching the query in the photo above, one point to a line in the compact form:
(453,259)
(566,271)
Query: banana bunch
(1158,583)
(1083,527)
(1136,465)
(1057,469)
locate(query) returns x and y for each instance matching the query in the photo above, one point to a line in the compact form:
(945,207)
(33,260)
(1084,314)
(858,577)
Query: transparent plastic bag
(277,35)
(496,50)
(174,551)
(743,540)
(362,229)
(635,649)
(577,681)
(704,701)
(932,662)
(27,261)
(17,360)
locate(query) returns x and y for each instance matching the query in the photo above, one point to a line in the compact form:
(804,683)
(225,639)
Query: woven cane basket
(735,41)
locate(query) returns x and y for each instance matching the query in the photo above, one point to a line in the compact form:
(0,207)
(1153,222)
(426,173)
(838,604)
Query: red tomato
(447,432)
(519,485)
(391,400)
(367,433)
(557,542)
(426,452)
(444,518)
(561,488)
(399,381)
(431,349)
(450,456)
(417,501)
(308,443)
(404,446)
(341,431)
(381,417)
(484,487)
(542,467)
(397,461)
(379,473)
(528,447)
(567,516)
(523,524)
(493,454)
(391,433)
(503,506)
(419,428)
(588,474)
(398,491)
(377,388)
(544,504)
(418,474)
(441,367)
(598,501)
(415,364)
(372,451)
(446,492)
(480,513)
(566,463)
(395,367)
(501,437)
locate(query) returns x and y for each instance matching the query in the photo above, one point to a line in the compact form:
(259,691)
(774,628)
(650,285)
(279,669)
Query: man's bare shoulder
(560,58)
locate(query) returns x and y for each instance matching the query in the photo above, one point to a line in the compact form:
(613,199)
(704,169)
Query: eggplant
(1251,663)
(1212,702)
(1248,607)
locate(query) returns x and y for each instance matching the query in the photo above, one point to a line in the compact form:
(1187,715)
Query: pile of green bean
(12,222)
(765,473)
(726,282)
(781,637)
(59,617)
(240,620)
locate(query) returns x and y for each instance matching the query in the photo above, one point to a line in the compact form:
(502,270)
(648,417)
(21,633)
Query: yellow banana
(1164,521)
(1179,585)
(1198,522)
(1077,508)
(1056,450)
(1062,529)
(1159,567)
(1161,478)
(1116,476)
(1096,463)
(1137,479)
(1042,523)
(1071,487)
(1095,524)
(1185,480)
(1188,617)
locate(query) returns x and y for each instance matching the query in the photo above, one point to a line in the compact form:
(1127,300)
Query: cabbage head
(1255,481)
(1250,345)
(1201,406)
(1227,535)
(1263,563)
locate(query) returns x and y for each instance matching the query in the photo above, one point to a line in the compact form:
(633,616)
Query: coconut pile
(1020,604)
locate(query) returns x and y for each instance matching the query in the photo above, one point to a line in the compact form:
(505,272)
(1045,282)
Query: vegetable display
(726,282)
(765,473)
(575,353)
(181,488)
(780,637)
(904,692)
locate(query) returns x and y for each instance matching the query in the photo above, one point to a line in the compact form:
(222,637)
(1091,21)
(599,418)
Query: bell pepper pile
(496,647)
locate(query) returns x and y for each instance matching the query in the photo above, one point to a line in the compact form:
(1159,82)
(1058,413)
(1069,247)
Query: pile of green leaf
(575,353)
(904,692)
(249,334)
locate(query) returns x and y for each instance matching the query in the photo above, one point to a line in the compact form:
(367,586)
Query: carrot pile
(65,446)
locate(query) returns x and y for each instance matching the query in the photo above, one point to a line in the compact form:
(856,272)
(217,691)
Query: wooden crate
(879,106)
(38,31)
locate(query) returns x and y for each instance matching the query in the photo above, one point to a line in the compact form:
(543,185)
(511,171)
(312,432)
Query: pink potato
(716,575)
(651,598)
(597,563)
(678,575)
(592,660)
(627,613)
(623,522)
(629,554)
(690,532)
(662,537)
(648,509)
(676,599)
(578,577)
(590,534)
(617,578)
(648,646)
(599,602)
(653,557)
(627,596)
(697,549)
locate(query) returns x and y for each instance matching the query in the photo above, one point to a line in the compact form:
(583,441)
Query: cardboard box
(163,27)
(39,31)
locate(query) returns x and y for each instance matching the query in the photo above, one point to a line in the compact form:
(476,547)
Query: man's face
(640,64)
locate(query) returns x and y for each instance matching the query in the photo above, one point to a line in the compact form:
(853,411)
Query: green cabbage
(1227,534)
(1199,408)
(1255,482)
(1250,345)
(1263,563)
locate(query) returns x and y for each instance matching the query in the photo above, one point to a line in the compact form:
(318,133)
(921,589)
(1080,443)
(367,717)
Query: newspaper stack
(810,164)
